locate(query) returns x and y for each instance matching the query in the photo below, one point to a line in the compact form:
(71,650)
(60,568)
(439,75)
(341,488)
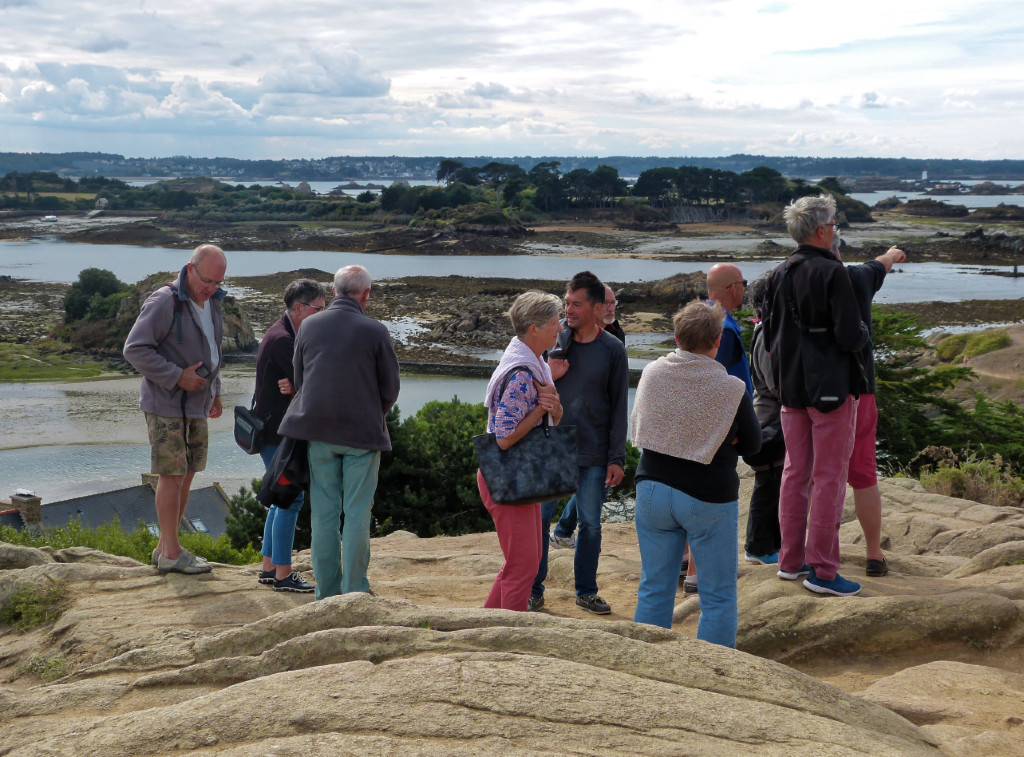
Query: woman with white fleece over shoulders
(691,420)
(513,408)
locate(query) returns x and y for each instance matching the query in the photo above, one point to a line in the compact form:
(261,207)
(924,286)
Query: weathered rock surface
(927,660)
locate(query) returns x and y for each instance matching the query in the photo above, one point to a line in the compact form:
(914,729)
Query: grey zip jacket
(163,343)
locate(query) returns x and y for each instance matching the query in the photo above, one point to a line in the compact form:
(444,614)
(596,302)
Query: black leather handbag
(541,466)
(250,431)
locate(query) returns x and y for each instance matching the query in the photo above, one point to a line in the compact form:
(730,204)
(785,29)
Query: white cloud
(340,74)
(311,78)
(875,100)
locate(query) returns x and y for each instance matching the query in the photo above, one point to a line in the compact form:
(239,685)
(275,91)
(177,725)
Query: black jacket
(287,476)
(824,298)
(273,363)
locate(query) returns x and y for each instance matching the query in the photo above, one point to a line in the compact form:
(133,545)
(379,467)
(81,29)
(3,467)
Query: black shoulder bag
(250,431)
(541,466)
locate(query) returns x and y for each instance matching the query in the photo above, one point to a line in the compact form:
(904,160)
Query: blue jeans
(666,519)
(589,500)
(279,532)
(341,479)
(567,520)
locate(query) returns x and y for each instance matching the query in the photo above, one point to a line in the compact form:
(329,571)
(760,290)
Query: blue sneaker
(794,576)
(772,559)
(838,585)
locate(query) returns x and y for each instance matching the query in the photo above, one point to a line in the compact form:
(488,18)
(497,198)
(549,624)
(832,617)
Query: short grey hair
(805,215)
(304,291)
(698,325)
(533,308)
(203,251)
(352,280)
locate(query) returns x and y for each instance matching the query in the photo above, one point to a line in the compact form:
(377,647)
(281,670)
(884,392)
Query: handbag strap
(545,421)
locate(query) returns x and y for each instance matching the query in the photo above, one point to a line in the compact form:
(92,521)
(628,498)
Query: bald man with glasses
(727,287)
(176,345)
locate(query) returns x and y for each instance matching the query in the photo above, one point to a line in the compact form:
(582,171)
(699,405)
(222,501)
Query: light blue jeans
(279,532)
(666,519)
(341,479)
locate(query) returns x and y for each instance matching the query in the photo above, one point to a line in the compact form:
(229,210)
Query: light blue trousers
(342,479)
(666,519)
(279,530)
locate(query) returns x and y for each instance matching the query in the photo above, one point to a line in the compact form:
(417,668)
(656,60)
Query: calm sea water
(59,261)
(969,201)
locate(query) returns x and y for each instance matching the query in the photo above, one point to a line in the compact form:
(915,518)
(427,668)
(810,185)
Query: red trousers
(520,536)
(818,447)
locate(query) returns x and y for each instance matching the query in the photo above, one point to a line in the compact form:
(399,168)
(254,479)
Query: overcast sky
(315,78)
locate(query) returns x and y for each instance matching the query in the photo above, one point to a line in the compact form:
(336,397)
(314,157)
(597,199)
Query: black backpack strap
(184,394)
(177,310)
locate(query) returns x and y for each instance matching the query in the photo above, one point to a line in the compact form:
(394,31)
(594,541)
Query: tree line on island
(656,197)
(344,167)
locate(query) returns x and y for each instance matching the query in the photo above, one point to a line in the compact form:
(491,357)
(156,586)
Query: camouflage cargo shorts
(174,453)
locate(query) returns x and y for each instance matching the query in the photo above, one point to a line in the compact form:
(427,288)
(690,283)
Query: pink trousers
(520,536)
(818,447)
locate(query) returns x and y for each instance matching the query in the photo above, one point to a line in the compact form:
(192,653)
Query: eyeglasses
(314,307)
(743,282)
(206,280)
(611,302)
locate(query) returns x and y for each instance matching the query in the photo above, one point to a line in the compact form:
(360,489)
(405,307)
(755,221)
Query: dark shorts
(174,451)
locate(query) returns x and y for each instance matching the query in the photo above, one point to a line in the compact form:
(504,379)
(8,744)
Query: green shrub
(33,606)
(955,348)
(428,481)
(986,341)
(47,669)
(951,348)
(968,476)
(94,285)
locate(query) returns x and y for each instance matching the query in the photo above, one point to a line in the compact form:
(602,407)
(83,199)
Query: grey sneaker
(562,542)
(535,602)
(186,563)
(294,583)
(594,603)
(155,557)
